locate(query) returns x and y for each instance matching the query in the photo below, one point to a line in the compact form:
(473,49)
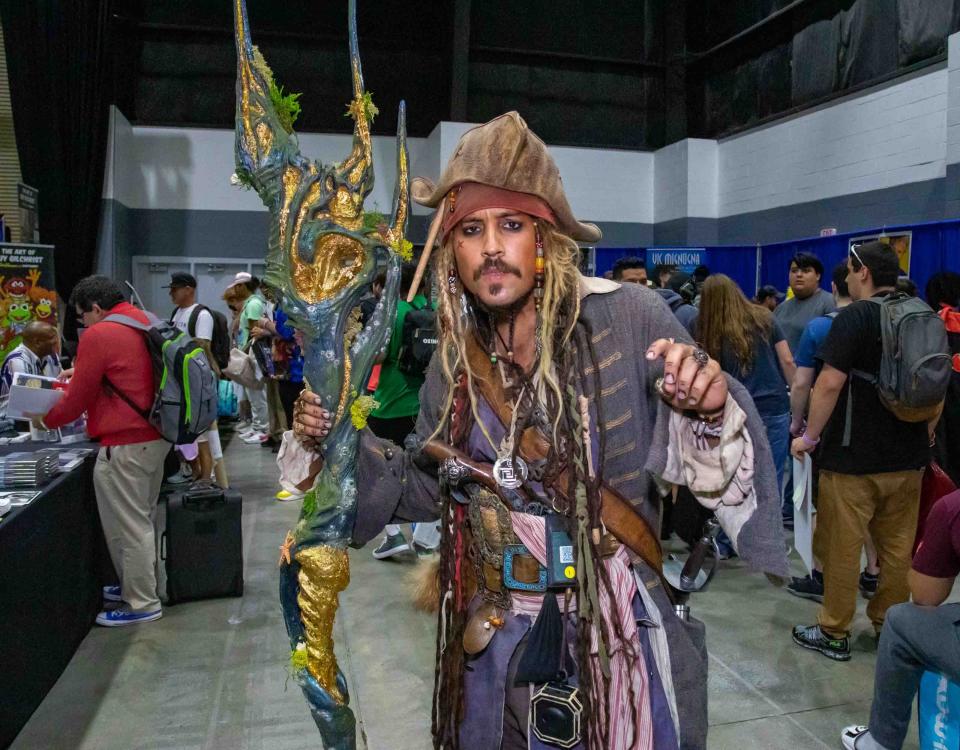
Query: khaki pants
(848,507)
(127,482)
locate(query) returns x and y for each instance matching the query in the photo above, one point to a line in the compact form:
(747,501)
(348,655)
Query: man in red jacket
(113,358)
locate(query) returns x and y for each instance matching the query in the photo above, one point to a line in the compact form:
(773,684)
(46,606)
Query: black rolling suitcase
(201,545)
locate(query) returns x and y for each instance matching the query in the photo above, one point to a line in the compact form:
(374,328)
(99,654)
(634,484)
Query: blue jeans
(778,435)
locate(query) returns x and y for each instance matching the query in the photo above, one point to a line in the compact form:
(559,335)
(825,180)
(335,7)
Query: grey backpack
(186,398)
(915,366)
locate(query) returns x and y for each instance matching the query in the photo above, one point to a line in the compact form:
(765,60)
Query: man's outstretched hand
(690,381)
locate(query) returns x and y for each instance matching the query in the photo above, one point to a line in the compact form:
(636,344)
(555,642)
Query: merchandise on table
(26,470)
(16,499)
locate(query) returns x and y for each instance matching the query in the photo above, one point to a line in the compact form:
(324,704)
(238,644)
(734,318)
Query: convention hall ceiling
(615,74)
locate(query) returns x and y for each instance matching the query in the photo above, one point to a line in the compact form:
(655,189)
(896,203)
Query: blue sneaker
(112,594)
(115,618)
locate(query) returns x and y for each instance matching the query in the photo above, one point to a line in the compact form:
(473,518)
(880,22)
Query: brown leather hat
(505,153)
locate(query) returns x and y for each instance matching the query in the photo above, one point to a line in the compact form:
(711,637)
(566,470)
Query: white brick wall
(670,182)
(887,137)
(685,180)
(190,168)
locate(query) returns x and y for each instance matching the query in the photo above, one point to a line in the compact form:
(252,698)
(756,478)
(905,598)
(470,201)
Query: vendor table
(51,563)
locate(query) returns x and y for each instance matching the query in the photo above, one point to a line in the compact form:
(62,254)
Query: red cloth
(374,379)
(936,484)
(114,351)
(939,553)
(469,197)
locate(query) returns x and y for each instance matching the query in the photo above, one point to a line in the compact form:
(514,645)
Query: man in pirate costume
(552,402)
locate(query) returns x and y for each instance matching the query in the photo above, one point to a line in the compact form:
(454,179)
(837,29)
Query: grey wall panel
(904,204)
(689,231)
(951,191)
(115,242)
(104,261)
(625,234)
(127,232)
(219,234)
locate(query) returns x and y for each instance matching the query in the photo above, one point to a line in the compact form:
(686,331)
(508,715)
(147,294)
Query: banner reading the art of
(26,290)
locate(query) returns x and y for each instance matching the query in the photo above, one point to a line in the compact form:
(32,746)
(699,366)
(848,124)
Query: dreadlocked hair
(452,615)
(593,671)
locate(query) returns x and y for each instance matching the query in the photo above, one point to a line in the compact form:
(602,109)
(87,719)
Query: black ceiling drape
(60,76)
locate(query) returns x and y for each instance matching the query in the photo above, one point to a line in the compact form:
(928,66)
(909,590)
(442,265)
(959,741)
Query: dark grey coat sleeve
(391,488)
(760,542)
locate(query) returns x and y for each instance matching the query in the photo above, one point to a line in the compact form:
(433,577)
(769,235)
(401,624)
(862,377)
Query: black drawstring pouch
(539,660)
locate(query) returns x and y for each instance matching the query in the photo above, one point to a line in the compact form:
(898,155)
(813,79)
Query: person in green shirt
(398,396)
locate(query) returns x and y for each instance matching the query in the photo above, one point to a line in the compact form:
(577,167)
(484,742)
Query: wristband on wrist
(809,441)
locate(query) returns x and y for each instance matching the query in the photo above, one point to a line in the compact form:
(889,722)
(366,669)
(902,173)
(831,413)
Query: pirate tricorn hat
(505,153)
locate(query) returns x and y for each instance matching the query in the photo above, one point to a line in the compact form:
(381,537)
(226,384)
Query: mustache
(496,264)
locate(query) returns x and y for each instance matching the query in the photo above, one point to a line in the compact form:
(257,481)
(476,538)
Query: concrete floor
(212,675)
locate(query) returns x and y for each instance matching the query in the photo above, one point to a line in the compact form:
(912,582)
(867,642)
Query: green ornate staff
(322,253)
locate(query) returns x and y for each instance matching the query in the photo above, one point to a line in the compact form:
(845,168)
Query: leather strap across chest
(617,513)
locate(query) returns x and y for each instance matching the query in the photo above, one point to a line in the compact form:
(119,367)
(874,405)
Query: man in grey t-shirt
(809,301)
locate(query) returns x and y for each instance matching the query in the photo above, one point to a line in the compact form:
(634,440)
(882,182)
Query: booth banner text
(26,290)
(684,259)
(29,222)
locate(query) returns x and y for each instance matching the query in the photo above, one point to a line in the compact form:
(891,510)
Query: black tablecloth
(51,562)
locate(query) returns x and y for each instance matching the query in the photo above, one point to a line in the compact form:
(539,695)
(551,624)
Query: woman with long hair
(749,345)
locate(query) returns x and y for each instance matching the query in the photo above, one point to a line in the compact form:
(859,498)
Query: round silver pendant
(509,474)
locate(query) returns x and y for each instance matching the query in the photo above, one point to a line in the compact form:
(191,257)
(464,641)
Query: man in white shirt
(196,321)
(36,355)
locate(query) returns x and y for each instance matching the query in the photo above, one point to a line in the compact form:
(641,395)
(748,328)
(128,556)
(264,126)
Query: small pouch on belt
(522,571)
(481,627)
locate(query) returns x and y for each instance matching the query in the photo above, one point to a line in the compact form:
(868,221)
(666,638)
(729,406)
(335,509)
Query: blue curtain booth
(739,262)
(934,246)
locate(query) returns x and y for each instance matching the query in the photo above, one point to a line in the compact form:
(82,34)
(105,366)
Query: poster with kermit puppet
(26,291)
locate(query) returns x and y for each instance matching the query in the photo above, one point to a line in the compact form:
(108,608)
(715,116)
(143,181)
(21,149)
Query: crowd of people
(809,361)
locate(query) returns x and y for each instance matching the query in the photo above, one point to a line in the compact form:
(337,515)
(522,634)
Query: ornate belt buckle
(509,552)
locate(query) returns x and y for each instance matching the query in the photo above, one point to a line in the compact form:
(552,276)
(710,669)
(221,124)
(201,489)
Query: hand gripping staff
(322,252)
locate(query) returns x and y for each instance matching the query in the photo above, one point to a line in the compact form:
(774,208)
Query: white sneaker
(255,438)
(851,734)
(247,431)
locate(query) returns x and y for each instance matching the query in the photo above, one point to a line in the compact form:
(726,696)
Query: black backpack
(220,343)
(418,340)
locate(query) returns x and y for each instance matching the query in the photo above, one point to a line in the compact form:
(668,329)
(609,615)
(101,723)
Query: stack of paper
(803,512)
(32,394)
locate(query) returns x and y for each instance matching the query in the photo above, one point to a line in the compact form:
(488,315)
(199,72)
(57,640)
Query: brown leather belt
(525,569)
